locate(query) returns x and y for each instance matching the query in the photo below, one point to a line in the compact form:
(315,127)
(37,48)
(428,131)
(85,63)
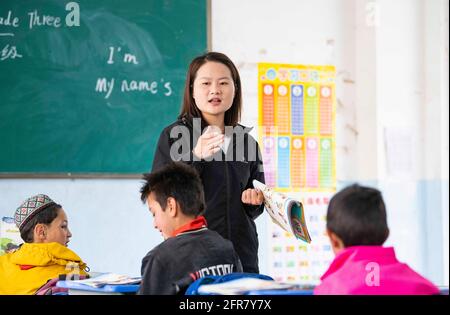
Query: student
(174,196)
(357,228)
(43,225)
(225,155)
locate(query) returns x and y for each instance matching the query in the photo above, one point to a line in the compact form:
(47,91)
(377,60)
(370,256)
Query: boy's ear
(172,206)
(40,233)
(336,242)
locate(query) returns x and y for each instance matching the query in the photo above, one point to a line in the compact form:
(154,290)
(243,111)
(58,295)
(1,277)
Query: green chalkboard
(92,98)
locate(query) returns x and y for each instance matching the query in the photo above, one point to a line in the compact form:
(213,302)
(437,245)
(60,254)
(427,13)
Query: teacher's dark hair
(190,110)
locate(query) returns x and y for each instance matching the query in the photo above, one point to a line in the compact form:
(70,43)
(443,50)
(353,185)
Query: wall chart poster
(292,260)
(297,139)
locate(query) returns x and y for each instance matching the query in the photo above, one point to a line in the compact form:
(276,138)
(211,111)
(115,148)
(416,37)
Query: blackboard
(92,98)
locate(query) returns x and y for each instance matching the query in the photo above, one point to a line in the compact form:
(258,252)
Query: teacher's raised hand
(209,143)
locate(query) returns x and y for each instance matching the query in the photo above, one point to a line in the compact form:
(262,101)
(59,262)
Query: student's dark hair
(45,216)
(190,110)
(357,215)
(179,181)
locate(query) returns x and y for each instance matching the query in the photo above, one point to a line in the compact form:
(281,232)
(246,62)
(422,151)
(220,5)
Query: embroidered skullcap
(30,207)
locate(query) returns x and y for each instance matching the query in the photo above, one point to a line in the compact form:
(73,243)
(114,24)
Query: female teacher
(226,156)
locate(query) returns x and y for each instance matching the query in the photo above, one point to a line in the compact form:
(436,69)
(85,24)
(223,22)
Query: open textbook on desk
(286,212)
(249,285)
(105,283)
(108,279)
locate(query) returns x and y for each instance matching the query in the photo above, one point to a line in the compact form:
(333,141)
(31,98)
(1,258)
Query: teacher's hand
(252,197)
(209,143)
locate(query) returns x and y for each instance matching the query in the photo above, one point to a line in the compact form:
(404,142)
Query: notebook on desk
(76,288)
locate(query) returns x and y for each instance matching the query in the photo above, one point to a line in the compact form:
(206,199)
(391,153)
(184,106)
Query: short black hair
(179,181)
(357,215)
(45,216)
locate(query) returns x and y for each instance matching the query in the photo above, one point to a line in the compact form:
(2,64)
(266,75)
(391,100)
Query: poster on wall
(292,260)
(297,139)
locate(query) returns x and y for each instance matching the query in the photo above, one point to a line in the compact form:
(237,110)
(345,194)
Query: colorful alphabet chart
(297,139)
(296,119)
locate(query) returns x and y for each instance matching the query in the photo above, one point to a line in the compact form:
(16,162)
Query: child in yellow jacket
(43,225)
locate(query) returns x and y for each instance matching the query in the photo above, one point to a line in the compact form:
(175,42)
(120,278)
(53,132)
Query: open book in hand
(108,279)
(288,213)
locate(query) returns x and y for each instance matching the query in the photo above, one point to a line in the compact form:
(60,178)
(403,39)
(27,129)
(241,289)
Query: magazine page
(284,211)
(274,205)
(296,215)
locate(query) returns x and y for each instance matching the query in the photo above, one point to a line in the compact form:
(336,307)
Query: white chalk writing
(106,86)
(151,87)
(127,57)
(9,52)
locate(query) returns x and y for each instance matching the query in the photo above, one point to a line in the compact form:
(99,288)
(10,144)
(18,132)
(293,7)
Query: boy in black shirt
(175,197)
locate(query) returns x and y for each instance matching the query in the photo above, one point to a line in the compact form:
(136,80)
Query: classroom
(86,87)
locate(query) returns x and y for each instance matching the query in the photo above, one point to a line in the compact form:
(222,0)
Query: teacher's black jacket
(224,179)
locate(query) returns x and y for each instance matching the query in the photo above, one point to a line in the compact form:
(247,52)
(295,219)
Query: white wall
(435,125)
(382,51)
(392,76)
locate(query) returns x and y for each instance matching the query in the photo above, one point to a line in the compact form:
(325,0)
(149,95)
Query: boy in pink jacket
(357,228)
